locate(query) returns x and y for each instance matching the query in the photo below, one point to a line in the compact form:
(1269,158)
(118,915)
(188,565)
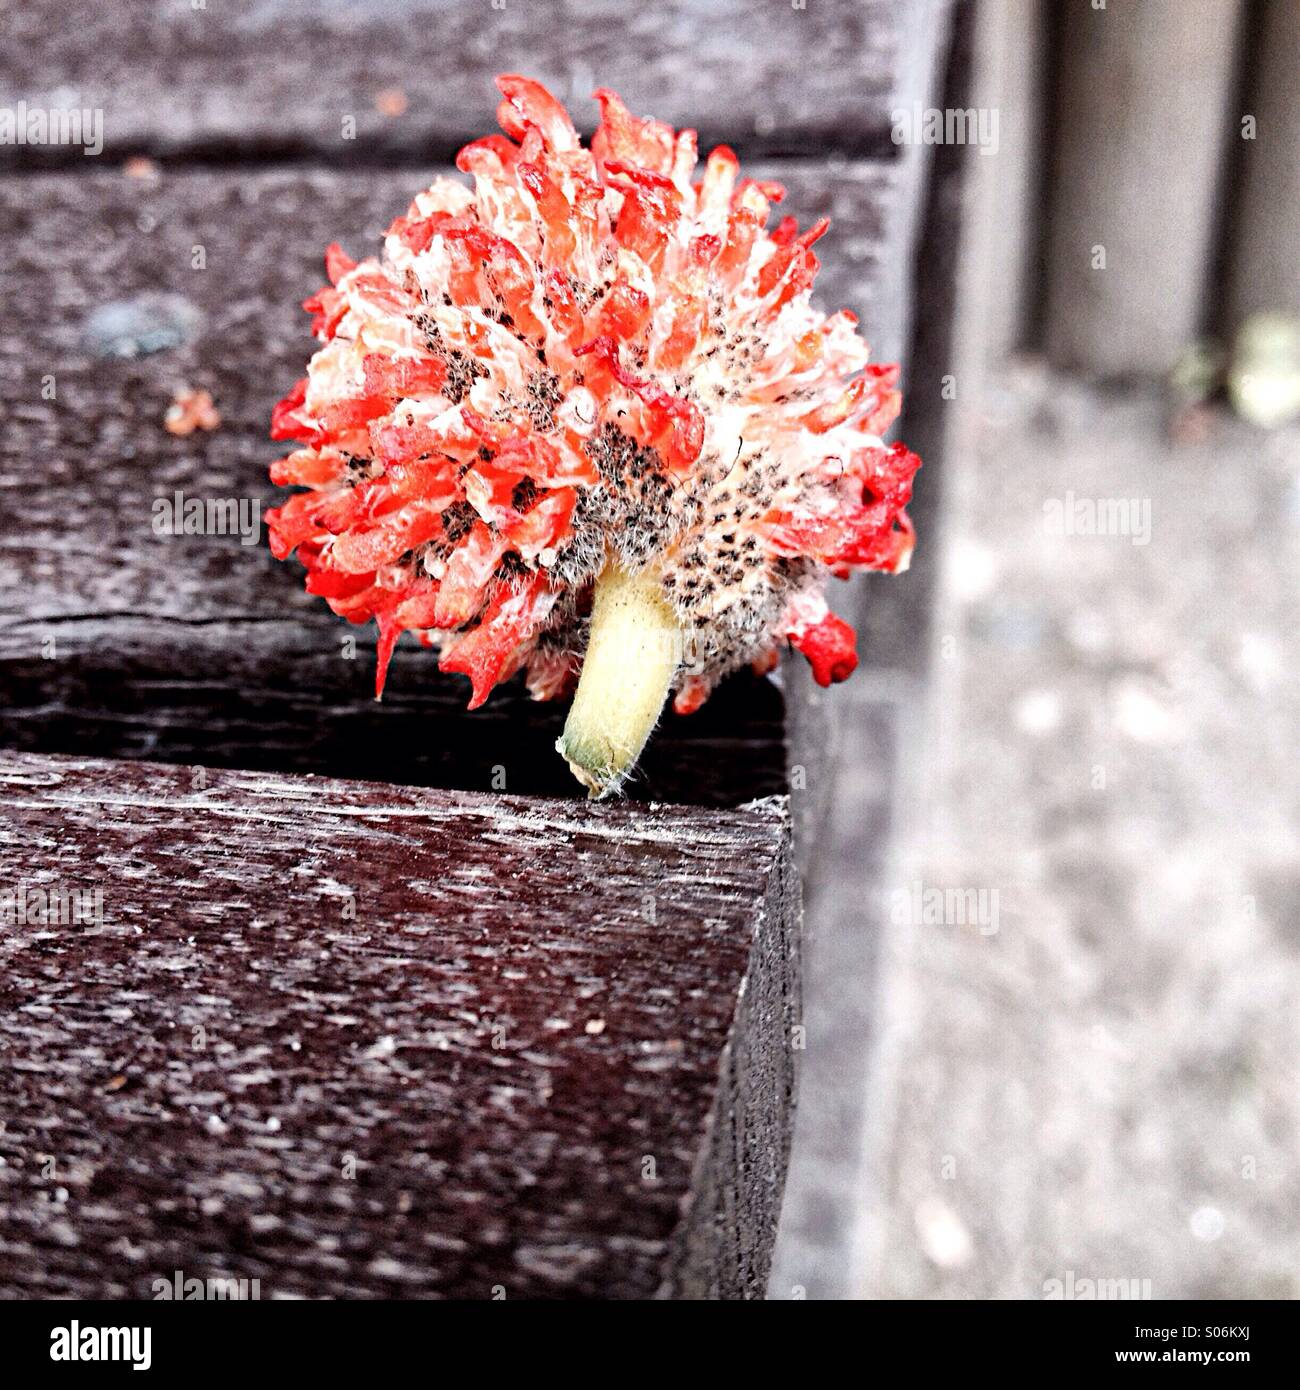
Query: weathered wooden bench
(543,1088)
(357,1039)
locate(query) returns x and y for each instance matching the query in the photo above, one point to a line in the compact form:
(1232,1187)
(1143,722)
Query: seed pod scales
(587,375)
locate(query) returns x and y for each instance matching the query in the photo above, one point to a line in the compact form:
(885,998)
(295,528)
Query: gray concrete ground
(1088,1070)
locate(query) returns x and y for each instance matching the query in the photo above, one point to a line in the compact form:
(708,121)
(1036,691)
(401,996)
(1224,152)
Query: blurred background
(1096,1095)
(1052,965)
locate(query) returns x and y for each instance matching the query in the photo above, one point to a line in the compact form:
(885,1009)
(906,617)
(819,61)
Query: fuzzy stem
(633,650)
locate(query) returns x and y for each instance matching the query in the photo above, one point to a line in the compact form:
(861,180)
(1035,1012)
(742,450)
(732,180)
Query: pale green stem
(632,653)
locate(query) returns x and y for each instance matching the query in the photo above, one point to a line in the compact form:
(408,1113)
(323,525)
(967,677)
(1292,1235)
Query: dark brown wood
(200,649)
(359,1040)
(277,78)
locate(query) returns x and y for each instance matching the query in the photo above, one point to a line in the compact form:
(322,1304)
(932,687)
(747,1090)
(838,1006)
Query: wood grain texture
(278,78)
(200,649)
(550,1042)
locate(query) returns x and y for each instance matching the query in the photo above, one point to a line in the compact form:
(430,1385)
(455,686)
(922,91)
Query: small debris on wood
(137,327)
(191,410)
(391,101)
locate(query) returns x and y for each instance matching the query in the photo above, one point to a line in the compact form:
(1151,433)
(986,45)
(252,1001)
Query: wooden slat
(1143,104)
(1015,42)
(1265,218)
(270,77)
(357,1040)
(200,649)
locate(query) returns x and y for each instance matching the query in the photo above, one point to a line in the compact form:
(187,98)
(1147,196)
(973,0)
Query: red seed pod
(582,359)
